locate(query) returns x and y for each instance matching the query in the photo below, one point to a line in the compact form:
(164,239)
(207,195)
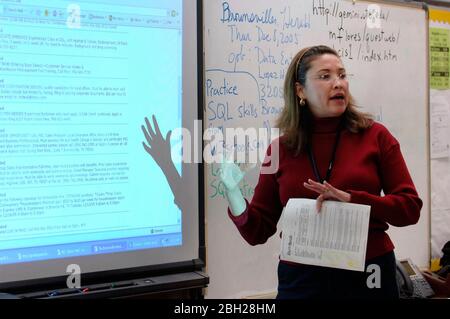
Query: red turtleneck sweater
(366,163)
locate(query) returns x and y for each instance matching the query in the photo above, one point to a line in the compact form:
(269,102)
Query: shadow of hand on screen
(159,149)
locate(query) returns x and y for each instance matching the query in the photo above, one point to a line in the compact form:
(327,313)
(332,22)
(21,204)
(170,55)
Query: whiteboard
(248,46)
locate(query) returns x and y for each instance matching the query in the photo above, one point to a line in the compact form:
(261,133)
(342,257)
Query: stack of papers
(336,237)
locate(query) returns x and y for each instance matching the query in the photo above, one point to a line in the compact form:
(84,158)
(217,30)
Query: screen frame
(196,264)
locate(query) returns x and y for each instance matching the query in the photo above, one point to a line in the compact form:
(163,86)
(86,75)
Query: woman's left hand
(326,191)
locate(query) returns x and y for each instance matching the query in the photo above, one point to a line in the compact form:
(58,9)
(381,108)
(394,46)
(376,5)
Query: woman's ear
(299,91)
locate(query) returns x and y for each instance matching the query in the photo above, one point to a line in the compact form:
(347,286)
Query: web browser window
(76,81)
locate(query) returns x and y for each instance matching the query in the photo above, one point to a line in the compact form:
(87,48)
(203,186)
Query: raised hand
(158,147)
(231,175)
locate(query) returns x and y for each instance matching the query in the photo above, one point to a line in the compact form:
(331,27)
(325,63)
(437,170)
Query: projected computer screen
(77,79)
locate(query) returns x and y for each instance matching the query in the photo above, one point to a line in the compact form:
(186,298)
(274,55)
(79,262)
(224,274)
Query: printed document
(439,124)
(336,237)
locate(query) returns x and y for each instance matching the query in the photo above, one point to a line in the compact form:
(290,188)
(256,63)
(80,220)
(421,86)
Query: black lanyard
(330,166)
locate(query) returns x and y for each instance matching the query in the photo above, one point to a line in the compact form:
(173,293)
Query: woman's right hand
(231,175)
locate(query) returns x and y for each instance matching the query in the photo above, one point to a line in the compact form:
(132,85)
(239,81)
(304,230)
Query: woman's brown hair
(295,121)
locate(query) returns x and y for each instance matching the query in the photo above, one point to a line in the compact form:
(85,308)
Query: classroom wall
(388,64)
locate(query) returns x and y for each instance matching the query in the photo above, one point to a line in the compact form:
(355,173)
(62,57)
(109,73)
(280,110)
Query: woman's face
(326,87)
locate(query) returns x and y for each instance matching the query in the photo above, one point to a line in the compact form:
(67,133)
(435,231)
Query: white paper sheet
(440,122)
(336,237)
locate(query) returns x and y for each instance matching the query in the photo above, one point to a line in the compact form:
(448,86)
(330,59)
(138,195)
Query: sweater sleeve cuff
(360,197)
(357,197)
(242,218)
